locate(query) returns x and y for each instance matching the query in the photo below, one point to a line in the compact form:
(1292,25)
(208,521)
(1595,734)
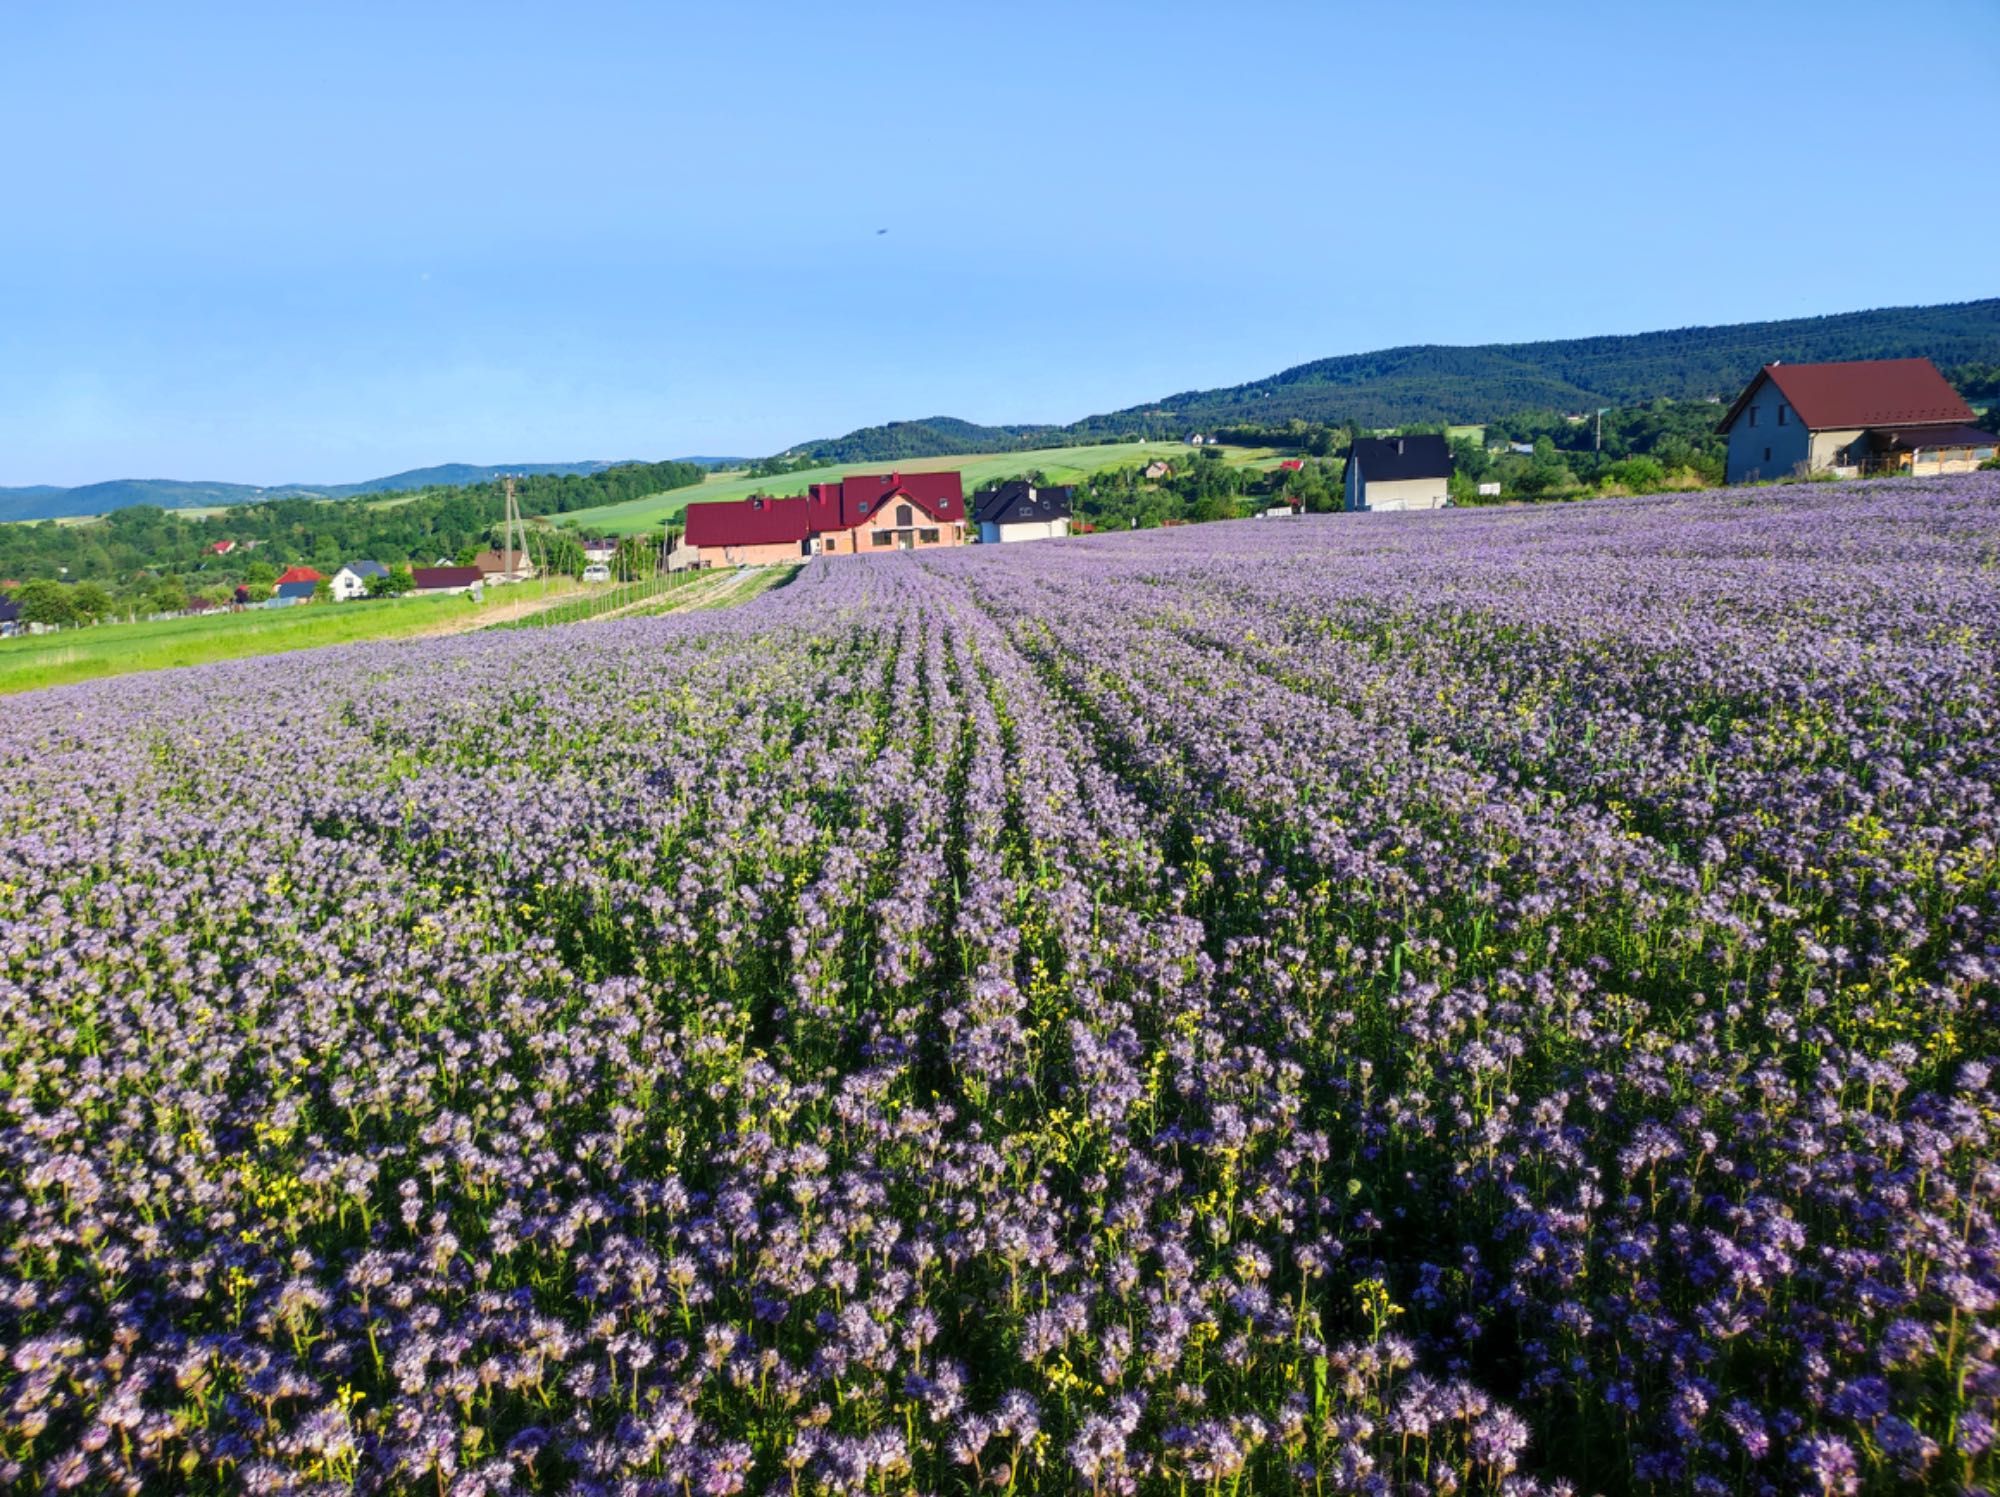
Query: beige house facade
(1398,473)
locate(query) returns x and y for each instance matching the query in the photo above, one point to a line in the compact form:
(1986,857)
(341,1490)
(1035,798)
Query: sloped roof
(756,521)
(1020,502)
(431,578)
(299,574)
(1912,438)
(296,589)
(1389,459)
(1860,392)
(850,502)
(9,610)
(366,569)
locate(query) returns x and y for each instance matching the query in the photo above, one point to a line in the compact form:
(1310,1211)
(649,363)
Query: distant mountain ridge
(1438,382)
(50,502)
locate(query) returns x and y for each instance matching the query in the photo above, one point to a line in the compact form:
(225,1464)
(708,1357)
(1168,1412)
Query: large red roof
(1862,392)
(307,574)
(844,505)
(824,507)
(746,522)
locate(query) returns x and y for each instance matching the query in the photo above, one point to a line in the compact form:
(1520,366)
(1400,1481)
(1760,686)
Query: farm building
(1156,470)
(351,581)
(299,574)
(499,566)
(447,580)
(863,513)
(1869,415)
(1394,473)
(1019,511)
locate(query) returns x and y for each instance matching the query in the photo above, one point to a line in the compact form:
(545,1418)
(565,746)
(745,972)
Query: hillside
(1432,382)
(979,470)
(48,502)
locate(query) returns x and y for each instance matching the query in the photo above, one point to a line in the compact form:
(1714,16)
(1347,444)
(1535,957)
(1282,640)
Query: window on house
(1784,415)
(928,537)
(1767,454)
(905,515)
(1753,415)
(885,538)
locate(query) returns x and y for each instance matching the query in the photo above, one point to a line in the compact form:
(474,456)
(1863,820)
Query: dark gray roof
(295,589)
(1387,459)
(9,610)
(367,569)
(1909,439)
(1017,503)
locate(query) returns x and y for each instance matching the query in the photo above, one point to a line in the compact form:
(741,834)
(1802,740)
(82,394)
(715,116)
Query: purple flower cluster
(1486,1002)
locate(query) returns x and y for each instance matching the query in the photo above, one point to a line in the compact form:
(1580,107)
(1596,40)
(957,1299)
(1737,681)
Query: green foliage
(127,549)
(1434,384)
(45,602)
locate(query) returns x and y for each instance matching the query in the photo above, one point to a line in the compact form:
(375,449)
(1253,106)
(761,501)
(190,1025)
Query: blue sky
(309,242)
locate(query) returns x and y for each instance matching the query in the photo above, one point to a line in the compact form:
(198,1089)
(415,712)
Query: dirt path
(502,613)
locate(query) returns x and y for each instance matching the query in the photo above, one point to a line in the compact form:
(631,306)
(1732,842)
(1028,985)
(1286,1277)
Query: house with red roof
(221,548)
(862,514)
(466,580)
(298,574)
(1862,416)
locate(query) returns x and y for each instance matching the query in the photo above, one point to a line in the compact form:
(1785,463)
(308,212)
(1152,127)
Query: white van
(597,571)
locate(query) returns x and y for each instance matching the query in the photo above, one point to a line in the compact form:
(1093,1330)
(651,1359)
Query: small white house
(1019,511)
(351,581)
(600,552)
(1398,473)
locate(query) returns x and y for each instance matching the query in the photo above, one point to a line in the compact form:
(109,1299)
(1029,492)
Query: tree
(45,602)
(168,596)
(90,601)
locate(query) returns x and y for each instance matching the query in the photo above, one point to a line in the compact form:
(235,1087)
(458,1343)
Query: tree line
(147,555)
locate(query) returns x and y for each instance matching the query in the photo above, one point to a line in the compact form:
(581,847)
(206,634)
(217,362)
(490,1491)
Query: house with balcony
(1850,418)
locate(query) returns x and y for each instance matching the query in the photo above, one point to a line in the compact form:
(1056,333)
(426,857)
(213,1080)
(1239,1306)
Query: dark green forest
(1397,387)
(131,551)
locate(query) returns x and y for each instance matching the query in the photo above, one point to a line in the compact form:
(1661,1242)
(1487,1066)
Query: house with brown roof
(1862,416)
(498,566)
(863,514)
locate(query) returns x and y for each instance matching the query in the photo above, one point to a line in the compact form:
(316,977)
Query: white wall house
(351,581)
(1847,418)
(1019,511)
(1397,473)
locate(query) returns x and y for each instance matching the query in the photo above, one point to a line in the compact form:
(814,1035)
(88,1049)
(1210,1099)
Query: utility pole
(511,530)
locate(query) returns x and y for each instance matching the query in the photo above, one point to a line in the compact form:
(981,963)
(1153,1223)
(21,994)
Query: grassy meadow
(1058,464)
(32,661)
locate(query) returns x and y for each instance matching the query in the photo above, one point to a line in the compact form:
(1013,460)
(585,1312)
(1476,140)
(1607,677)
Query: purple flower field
(1488,1001)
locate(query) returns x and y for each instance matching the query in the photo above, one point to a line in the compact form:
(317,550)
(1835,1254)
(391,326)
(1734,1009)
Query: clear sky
(297,241)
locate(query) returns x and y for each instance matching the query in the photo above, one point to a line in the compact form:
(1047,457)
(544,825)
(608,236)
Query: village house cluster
(864,514)
(1851,419)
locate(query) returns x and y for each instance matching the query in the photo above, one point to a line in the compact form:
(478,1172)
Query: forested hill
(46,502)
(1433,382)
